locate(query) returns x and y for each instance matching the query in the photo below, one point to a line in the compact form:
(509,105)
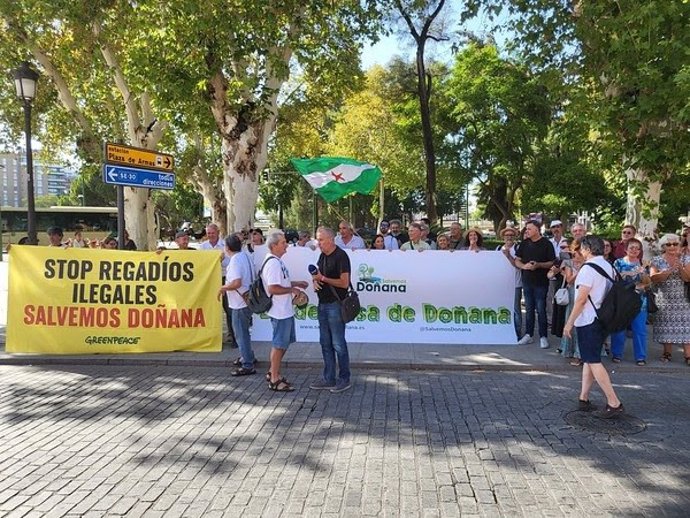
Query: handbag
(651,302)
(562,296)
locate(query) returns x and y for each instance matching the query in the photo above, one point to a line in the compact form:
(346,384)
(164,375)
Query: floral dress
(672,321)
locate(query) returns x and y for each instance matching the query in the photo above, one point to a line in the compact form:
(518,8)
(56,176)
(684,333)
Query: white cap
(555,223)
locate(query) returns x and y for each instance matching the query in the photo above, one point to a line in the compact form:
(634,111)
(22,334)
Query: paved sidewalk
(398,356)
(182,441)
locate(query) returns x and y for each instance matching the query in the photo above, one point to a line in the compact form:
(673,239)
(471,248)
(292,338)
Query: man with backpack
(592,288)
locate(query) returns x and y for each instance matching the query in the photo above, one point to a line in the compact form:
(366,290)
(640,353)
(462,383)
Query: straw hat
(301,299)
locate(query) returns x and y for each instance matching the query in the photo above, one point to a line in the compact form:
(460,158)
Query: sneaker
(243,372)
(322,385)
(609,412)
(341,386)
(237,362)
(586,406)
(527,339)
(544,343)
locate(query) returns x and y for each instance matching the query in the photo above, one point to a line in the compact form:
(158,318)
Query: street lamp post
(25,79)
(2,226)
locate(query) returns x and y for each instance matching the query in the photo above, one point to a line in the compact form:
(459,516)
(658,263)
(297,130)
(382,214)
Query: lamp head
(25,80)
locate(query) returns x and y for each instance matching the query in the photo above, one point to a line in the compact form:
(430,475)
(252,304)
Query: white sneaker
(527,339)
(544,342)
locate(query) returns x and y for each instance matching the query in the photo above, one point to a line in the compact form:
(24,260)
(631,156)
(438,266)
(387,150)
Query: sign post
(135,167)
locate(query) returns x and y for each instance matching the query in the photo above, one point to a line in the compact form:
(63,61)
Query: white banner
(413,297)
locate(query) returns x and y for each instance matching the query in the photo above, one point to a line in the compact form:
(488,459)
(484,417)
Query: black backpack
(621,303)
(258,301)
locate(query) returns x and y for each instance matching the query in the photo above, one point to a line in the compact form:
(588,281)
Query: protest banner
(437,297)
(85,301)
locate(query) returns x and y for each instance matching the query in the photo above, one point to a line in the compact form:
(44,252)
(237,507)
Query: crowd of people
(56,238)
(560,280)
(330,278)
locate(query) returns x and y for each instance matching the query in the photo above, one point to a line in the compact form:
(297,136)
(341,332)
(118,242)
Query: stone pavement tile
(14,502)
(21,512)
(139,509)
(508,447)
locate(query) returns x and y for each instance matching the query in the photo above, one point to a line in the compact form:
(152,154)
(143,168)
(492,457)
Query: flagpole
(315,212)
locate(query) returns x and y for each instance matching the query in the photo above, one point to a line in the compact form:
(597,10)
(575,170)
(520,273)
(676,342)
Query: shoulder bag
(349,306)
(562,297)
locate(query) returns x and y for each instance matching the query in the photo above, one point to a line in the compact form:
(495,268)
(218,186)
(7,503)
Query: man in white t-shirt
(278,285)
(214,242)
(238,277)
(591,289)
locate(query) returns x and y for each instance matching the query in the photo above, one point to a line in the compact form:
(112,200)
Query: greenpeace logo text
(112,340)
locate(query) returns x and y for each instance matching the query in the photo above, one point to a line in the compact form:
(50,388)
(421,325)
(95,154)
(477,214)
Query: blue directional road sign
(133,177)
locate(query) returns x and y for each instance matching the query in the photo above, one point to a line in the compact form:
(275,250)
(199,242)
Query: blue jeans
(241,322)
(283,332)
(639,337)
(535,297)
(517,312)
(333,344)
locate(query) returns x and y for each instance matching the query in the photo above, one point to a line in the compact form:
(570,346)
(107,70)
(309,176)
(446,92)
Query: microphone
(313,269)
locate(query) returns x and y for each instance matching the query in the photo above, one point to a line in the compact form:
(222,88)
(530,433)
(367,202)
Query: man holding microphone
(331,282)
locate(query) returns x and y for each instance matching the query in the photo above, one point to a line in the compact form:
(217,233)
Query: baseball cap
(556,223)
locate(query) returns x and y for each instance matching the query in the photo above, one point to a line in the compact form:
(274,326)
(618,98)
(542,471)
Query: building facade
(49,179)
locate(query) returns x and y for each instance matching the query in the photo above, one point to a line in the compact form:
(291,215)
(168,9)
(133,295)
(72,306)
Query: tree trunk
(643,205)
(240,180)
(424,90)
(140,218)
(213,197)
(382,203)
(244,147)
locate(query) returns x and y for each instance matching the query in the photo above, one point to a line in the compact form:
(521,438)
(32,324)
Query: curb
(361,365)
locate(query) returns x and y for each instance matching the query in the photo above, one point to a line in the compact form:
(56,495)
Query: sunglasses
(627,232)
(672,244)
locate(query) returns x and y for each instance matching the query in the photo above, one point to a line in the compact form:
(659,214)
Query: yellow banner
(85,301)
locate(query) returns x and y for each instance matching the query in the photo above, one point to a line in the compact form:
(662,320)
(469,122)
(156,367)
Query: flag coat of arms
(335,177)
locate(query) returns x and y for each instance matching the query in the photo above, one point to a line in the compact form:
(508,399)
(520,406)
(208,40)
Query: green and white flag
(334,177)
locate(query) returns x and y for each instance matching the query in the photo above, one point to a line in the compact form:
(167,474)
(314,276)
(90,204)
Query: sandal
(268,376)
(281,385)
(666,357)
(641,363)
(616,359)
(576,362)
(243,372)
